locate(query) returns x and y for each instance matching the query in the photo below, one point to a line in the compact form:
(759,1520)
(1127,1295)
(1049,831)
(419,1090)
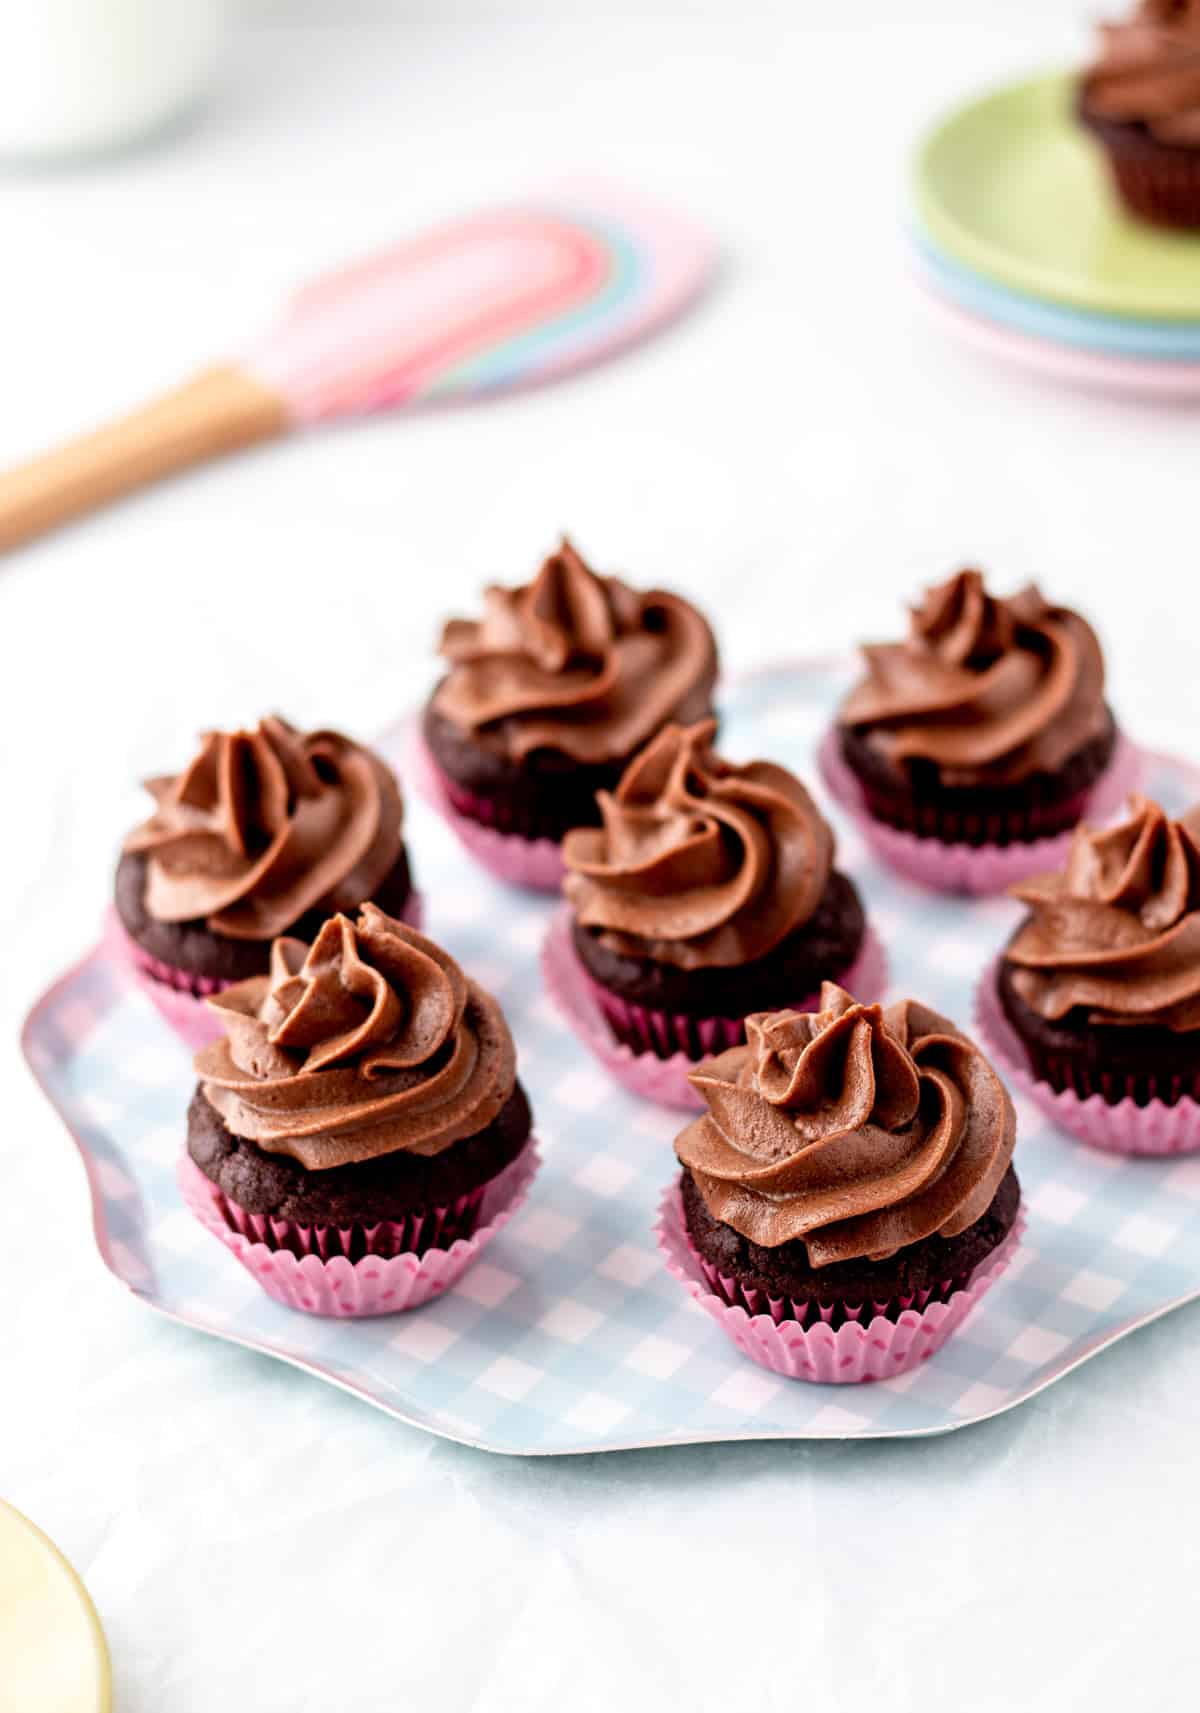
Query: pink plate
(1177,382)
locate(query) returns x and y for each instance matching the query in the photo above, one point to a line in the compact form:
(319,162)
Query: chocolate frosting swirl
(368,1042)
(576,663)
(265,825)
(1148,71)
(989,690)
(698,862)
(1117,934)
(858,1129)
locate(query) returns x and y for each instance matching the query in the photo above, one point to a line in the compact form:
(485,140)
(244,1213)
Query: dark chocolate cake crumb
(389,1187)
(911,797)
(192,946)
(1141,1061)
(821,949)
(785,1272)
(541,796)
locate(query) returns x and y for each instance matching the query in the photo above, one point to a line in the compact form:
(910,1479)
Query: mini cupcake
(708,892)
(548,698)
(849,1193)
(985,734)
(359,1132)
(1095,1002)
(1141,101)
(266,832)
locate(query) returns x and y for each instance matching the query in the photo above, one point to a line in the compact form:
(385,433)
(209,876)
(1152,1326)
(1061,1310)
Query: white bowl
(81,76)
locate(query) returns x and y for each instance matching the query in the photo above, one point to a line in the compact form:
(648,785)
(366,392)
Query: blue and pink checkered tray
(570,1335)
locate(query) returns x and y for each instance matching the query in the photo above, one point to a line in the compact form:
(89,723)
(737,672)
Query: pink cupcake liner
(979,870)
(1152,1131)
(659,1033)
(306,1267)
(583,1004)
(433,1228)
(178,995)
(807,1347)
(535,864)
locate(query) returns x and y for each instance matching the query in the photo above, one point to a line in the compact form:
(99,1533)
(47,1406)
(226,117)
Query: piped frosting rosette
(986,699)
(1106,969)
(1147,72)
(859,1134)
(574,662)
(265,830)
(266,825)
(368,1043)
(573,666)
(701,865)
(699,862)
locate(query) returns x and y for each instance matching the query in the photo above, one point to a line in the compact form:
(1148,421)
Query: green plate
(1012,186)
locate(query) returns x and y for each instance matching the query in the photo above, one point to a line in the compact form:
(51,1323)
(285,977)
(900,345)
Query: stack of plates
(1022,248)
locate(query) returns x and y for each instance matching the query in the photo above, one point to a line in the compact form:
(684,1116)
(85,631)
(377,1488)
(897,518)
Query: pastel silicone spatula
(504,299)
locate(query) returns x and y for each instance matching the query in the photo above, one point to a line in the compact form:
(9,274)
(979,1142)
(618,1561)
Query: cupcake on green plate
(1140,99)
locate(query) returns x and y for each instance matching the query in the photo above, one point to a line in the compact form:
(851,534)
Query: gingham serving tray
(570,1335)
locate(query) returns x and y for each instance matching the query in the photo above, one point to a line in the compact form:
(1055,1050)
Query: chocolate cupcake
(1141,101)
(362,1108)
(708,892)
(266,832)
(1100,984)
(548,698)
(849,1189)
(985,732)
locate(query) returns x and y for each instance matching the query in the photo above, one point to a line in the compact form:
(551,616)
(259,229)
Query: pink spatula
(504,299)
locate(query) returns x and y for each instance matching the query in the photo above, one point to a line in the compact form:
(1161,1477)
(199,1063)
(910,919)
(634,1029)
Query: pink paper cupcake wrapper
(535,864)
(433,1228)
(870,1346)
(305,1267)
(979,870)
(1155,1130)
(178,995)
(664,1079)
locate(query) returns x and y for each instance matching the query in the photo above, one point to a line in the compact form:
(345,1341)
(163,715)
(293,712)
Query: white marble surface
(800,456)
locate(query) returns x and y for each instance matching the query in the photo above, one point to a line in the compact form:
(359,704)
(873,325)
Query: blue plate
(1114,335)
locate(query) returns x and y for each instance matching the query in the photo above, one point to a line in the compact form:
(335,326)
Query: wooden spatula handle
(219,411)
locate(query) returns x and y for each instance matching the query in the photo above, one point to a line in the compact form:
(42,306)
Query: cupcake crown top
(697,861)
(857,1128)
(1148,864)
(577,663)
(964,625)
(1148,71)
(989,689)
(368,1042)
(265,825)
(1116,934)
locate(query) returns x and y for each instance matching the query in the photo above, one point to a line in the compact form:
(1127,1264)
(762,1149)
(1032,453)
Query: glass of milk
(81,76)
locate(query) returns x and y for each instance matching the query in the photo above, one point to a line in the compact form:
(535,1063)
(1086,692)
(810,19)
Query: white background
(800,456)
